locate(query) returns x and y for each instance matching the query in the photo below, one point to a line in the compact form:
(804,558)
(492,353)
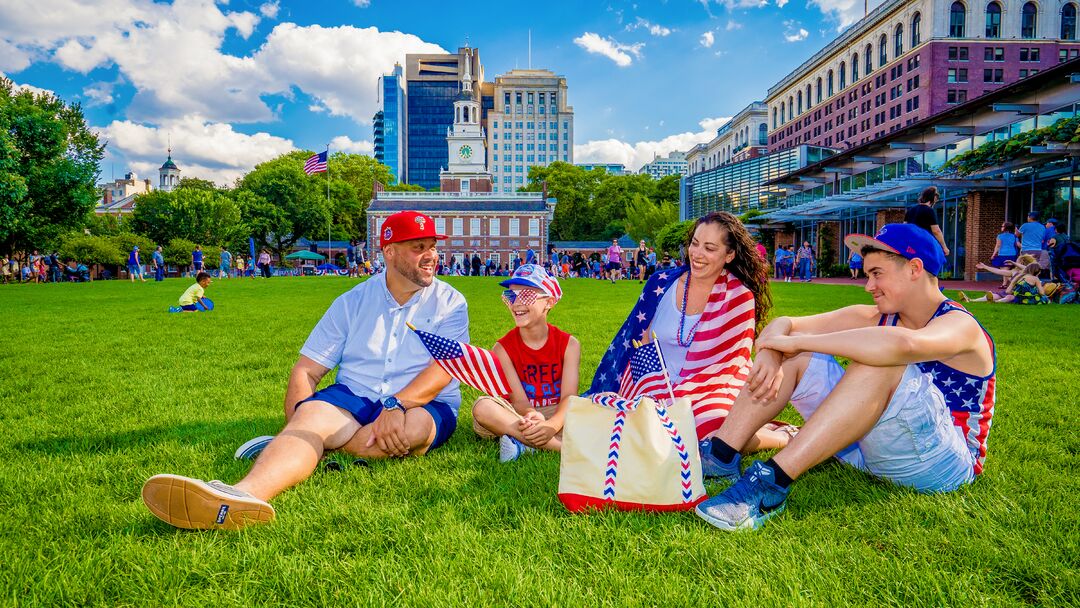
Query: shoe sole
(750,523)
(192,504)
(252,447)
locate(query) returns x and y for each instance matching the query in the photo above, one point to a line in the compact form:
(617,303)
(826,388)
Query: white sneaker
(511,449)
(253,447)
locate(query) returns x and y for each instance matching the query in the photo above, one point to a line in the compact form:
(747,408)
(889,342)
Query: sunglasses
(525,297)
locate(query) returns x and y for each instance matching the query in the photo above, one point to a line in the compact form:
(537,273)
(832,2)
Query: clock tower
(467,170)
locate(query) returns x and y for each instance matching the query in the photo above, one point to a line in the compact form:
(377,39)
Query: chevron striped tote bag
(629,455)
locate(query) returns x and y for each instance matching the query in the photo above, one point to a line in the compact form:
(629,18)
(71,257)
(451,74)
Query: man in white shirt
(390,399)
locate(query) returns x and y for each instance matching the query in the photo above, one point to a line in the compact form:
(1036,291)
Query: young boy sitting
(194,298)
(914,406)
(541,366)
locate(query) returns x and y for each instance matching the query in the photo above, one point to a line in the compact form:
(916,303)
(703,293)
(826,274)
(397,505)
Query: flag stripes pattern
(680,447)
(474,366)
(612,470)
(717,362)
(316,163)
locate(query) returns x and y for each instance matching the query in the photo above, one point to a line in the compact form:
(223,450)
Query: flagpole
(330,218)
(663,366)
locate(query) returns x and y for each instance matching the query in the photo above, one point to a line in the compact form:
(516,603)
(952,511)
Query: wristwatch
(392,403)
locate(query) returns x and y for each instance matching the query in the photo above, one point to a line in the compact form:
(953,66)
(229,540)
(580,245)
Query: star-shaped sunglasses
(524,297)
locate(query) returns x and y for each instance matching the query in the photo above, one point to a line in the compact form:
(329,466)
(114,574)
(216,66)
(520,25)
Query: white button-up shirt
(364,335)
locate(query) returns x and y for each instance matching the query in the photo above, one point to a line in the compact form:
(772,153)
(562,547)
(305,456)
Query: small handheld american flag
(646,375)
(316,163)
(477,367)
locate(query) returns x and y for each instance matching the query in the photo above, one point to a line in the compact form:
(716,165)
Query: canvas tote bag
(630,455)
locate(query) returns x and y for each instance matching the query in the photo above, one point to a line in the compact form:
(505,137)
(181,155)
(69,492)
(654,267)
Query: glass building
(741,186)
(431,114)
(390,124)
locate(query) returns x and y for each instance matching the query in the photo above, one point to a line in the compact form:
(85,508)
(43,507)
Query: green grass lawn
(101,389)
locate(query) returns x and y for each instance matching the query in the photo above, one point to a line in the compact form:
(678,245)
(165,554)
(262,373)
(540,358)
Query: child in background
(194,298)
(541,364)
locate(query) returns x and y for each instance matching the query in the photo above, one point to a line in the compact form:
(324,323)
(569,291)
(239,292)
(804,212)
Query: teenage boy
(914,406)
(389,398)
(924,216)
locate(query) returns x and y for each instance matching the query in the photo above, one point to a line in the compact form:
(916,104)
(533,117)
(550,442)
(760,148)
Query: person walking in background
(475,263)
(264,264)
(159,264)
(226,263)
(854,263)
(197,259)
(614,265)
(640,255)
(241,266)
(1031,239)
(55,275)
(805,260)
(924,216)
(134,265)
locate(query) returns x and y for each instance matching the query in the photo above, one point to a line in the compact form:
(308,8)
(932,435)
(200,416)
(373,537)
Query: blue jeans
(159,273)
(804,269)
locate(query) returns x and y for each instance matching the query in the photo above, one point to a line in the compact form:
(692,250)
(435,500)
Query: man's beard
(412,273)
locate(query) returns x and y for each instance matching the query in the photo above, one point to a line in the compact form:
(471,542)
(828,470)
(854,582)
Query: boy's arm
(943,338)
(517,396)
(571,377)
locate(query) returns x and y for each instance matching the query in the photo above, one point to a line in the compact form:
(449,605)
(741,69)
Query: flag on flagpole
(645,376)
(316,163)
(477,367)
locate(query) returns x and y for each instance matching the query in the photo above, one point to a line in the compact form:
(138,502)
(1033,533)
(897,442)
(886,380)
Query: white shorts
(914,443)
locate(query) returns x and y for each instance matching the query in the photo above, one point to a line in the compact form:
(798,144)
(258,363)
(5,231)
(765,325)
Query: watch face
(465,152)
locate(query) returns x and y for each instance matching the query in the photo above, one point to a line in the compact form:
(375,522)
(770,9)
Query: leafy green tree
(125,241)
(673,236)
(574,188)
(193,213)
(613,194)
(359,173)
(49,162)
(644,218)
(106,225)
(178,253)
(667,189)
(405,188)
(287,204)
(195,183)
(91,250)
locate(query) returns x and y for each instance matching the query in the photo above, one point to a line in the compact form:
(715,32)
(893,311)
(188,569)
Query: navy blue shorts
(365,411)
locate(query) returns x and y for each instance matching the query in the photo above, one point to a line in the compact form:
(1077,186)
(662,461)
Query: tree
(195,183)
(193,213)
(672,237)
(359,173)
(105,225)
(667,189)
(574,188)
(49,163)
(645,218)
(91,250)
(287,204)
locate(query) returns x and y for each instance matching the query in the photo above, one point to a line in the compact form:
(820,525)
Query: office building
(672,164)
(389,123)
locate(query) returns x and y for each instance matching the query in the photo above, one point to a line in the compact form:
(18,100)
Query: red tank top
(540,371)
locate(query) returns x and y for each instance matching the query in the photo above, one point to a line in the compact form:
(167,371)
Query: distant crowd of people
(42,268)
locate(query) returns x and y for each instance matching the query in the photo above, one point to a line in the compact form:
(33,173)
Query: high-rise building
(672,164)
(744,136)
(466,170)
(389,124)
(530,124)
(609,168)
(433,83)
(910,59)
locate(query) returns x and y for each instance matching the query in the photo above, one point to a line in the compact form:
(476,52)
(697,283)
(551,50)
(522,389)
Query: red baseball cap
(408,226)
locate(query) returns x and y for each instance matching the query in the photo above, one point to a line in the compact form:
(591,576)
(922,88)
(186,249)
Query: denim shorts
(365,411)
(914,443)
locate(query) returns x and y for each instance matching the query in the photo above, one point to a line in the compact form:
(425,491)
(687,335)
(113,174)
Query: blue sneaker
(511,449)
(748,504)
(175,309)
(712,468)
(253,447)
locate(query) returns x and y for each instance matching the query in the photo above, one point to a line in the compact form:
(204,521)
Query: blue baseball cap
(906,240)
(533,275)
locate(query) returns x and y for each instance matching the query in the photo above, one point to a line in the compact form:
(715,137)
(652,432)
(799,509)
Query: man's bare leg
(846,415)
(419,431)
(292,456)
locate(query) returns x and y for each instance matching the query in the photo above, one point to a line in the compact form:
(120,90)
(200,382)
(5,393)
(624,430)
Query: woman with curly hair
(705,315)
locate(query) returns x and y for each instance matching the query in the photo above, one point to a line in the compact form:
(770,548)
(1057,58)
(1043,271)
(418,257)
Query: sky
(230,84)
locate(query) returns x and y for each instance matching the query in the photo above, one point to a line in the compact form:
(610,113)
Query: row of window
(457,226)
(553,125)
(530,97)
(1029,20)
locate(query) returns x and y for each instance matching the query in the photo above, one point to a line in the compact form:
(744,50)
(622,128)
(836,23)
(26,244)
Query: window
(783,116)
(457,228)
(1029,16)
(958,53)
(956,96)
(517,97)
(763,134)
(494,226)
(506,98)
(1068,22)
(869,59)
(514,230)
(898,41)
(440,225)
(958,75)
(916,21)
(534,226)
(1029,55)
(829,84)
(530,96)
(819,90)
(843,76)
(995,76)
(474,226)
(854,67)
(957,17)
(808,97)
(994,53)
(798,100)
(774,117)
(993,20)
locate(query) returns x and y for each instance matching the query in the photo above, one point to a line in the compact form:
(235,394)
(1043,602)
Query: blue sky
(234,83)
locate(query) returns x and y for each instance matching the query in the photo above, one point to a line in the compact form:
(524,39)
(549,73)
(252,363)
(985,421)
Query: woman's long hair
(747,264)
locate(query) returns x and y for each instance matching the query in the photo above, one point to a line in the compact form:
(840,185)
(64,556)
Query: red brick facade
(985,213)
(476,184)
(889,216)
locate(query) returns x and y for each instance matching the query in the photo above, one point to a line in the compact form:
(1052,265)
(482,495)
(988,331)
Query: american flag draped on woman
(717,358)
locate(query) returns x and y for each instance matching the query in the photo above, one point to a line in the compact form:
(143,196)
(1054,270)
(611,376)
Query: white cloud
(781,3)
(737,4)
(98,93)
(733,25)
(707,39)
(654,28)
(12,58)
(269,10)
(28,87)
(362,3)
(610,48)
(634,155)
(794,33)
(172,55)
(844,12)
(203,149)
(342,143)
